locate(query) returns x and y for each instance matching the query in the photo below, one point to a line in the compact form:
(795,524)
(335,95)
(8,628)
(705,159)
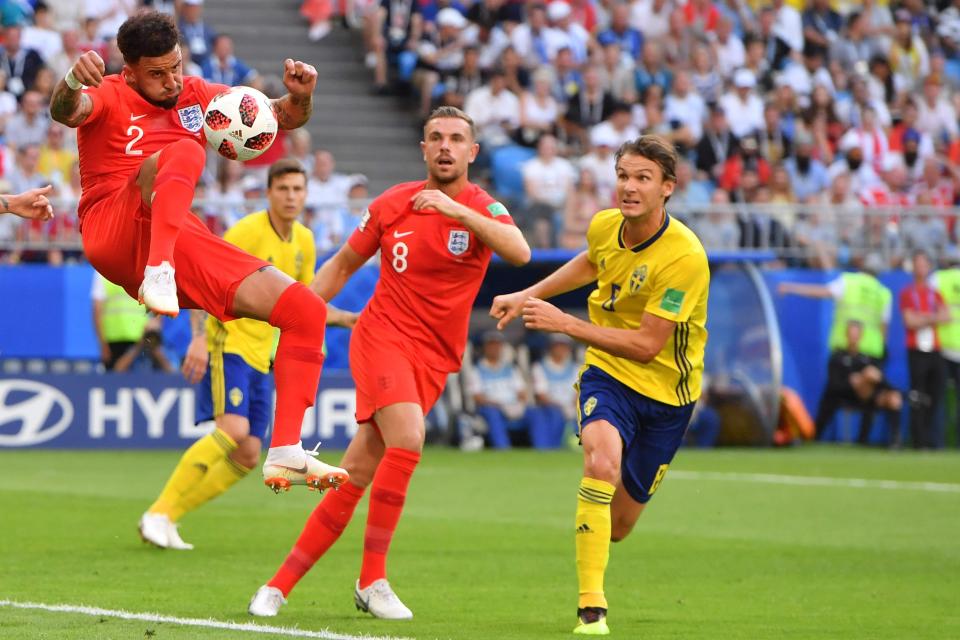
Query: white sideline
(817,481)
(250,627)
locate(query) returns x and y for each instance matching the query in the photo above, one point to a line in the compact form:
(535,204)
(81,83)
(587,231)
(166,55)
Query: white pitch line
(818,481)
(250,627)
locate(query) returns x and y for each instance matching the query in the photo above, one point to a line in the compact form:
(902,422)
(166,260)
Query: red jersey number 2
(137,133)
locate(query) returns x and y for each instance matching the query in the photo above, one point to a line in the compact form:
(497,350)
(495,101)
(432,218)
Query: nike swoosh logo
(302,469)
(397,234)
(134,118)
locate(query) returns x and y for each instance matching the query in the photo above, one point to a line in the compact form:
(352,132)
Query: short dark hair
(452,112)
(654,148)
(283,167)
(149,34)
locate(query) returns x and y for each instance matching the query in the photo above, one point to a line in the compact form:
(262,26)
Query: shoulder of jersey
(251,221)
(302,229)
(605,217)
(399,192)
(684,232)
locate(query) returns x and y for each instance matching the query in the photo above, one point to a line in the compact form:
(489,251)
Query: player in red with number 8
(141,153)
(436,238)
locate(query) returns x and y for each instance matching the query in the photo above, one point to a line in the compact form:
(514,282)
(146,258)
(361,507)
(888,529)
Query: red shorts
(116,241)
(385,375)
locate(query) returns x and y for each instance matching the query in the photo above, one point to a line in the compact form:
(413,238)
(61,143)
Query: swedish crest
(637,278)
(191,118)
(458,242)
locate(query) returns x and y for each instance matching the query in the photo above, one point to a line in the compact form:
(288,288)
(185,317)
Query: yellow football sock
(220,477)
(593,539)
(195,463)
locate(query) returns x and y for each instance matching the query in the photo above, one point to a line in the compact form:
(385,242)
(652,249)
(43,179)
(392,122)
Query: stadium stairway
(368,134)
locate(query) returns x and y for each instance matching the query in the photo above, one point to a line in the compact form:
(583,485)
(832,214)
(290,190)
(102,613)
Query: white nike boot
(380,601)
(155,529)
(266,602)
(289,465)
(174,539)
(158,291)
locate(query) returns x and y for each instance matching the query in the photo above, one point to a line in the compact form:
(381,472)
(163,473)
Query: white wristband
(72,81)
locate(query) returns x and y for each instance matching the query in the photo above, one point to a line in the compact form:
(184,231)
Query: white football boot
(291,465)
(155,529)
(174,539)
(266,602)
(380,601)
(158,291)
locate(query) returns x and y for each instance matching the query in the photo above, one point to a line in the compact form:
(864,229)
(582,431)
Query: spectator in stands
(42,36)
(817,237)
(862,174)
(619,126)
(690,191)
(808,176)
(744,102)
(459,83)
(587,107)
(631,40)
(534,40)
(24,175)
(855,45)
(300,148)
(936,116)
(855,380)
(650,70)
(582,203)
(787,32)
(439,53)
(781,190)
(908,54)
(225,200)
(500,394)
(547,179)
(616,73)
(706,82)
(195,31)
(923,231)
(685,110)
(225,68)
(111,14)
(326,189)
(495,112)
(728,49)
(56,157)
(560,15)
(717,230)
(746,159)
(651,18)
(775,144)
(516,76)
(923,309)
(8,103)
(539,111)
(567,77)
(90,38)
(600,162)
(715,145)
(318,14)
(20,63)
(554,378)
(821,26)
(802,76)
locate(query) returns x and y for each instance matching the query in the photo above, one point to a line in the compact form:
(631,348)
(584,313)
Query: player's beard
(168,104)
(447,178)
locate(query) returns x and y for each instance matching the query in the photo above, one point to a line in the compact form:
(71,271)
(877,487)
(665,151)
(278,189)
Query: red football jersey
(431,270)
(123,130)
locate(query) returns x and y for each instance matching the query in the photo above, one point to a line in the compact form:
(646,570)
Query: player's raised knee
(301,309)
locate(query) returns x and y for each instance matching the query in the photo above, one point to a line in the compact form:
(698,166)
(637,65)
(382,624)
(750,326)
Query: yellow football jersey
(667,276)
(253,340)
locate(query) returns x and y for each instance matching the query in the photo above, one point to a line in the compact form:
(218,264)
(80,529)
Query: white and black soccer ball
(240,124)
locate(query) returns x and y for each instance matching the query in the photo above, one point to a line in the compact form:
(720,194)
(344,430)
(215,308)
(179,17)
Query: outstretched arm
(68,104)
(294,109)
(576,273)
(805,290)
(196,359)
(335,272)
(31,204)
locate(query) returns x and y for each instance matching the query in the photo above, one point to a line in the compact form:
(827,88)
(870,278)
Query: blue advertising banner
(140,411)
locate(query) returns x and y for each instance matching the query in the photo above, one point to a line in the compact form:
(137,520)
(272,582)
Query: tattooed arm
(294,109)
(196,358)
(71,106)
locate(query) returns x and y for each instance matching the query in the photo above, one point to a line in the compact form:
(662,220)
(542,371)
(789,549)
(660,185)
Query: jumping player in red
(435,240)
(141,153)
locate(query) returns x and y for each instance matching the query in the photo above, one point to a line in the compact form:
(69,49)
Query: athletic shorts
(116,241)
(385,375)
(651,430)
(230,385)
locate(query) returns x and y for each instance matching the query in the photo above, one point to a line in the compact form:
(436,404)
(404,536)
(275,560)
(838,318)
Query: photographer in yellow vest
(123,329)
(947,282)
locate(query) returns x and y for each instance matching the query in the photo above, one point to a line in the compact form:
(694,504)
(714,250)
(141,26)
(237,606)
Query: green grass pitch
(485,549)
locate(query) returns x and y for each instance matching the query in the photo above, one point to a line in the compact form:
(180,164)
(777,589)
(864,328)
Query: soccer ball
(240,124)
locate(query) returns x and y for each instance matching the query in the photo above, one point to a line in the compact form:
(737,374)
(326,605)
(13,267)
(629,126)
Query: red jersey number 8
(400,253)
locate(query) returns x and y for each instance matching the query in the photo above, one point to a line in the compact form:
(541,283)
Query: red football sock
(387,495)
(178,170)
(323,528)
(301,316)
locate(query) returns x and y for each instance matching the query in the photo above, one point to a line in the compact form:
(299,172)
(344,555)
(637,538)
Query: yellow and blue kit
(650,404)
(237,380)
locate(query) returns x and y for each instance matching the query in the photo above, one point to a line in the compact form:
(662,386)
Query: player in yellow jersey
(644,360)
(233,360)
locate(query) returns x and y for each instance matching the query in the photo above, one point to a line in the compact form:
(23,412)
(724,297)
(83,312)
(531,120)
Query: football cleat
(380,601)
(155,529)
(591,621)
(266,602)
(280,472)
(158,291)
(174,539)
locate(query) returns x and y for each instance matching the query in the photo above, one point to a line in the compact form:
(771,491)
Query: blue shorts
(651,430)
(230,385)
